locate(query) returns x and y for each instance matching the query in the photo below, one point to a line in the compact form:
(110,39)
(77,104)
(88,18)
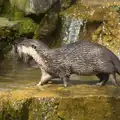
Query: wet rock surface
(53,102)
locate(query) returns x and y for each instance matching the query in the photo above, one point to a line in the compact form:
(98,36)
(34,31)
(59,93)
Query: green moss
(10,12)
(84,109)
(10,110)
(44,108)
(27,27)
(8,32)
(73,11)
(117,8)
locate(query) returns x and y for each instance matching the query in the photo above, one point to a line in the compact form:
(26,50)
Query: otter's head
(27,49)
(17,53)
(24,48)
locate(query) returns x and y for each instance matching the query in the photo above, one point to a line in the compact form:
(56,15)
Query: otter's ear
(33,46)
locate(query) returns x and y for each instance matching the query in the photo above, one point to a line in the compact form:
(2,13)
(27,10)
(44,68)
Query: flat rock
(54,102)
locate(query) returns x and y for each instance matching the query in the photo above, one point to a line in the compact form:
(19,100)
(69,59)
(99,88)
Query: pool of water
(14,74)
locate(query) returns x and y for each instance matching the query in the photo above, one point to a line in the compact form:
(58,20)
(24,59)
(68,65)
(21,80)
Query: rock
(33,6)
(108,33)
(39,6)
(8,32)
(27,25)
(57,103)
(41,28)
(47,24)
(81,21)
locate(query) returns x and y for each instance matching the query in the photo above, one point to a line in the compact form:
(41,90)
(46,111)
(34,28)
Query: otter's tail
(116,63)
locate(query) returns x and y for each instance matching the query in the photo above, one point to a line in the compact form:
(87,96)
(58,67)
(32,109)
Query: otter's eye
(33,46)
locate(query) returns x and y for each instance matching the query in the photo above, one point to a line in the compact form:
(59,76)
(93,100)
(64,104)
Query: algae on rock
(83,102)
(108,34)
(26,25)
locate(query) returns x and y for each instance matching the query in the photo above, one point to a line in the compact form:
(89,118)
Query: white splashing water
(71,30)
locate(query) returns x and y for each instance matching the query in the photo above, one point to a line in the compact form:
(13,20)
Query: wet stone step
(54,102)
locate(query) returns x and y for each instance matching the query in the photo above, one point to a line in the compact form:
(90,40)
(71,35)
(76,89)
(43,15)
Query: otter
(82,58)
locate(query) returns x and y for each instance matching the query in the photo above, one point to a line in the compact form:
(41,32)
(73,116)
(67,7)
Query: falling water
(71,29)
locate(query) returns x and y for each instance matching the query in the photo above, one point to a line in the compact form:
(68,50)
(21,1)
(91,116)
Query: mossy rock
(8,32)
(58,103)
(109,14)
(27,27)
(108,34)
(89,13)
(10,12)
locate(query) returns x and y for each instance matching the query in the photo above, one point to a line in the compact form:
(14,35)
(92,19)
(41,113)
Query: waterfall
(71,29)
